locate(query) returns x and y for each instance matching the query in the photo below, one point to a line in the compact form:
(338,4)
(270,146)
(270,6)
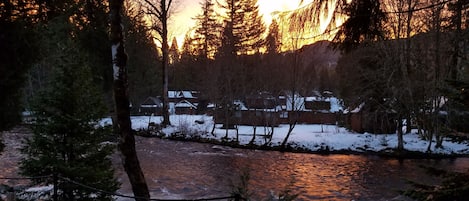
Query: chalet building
(185,107)
(365,118)
(267,110)
(178,96)
(183,102)
(151,105)
(286,100)
(262,112)
(316,109)
(261,102)
(179,102)
(317,104)
(312,117)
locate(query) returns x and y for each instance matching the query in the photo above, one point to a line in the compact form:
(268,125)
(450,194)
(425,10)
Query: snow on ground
(310,136)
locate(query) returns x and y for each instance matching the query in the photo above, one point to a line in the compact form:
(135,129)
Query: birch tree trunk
(121,98)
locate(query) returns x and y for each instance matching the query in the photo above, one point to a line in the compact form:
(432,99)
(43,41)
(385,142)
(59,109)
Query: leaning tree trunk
(127,140)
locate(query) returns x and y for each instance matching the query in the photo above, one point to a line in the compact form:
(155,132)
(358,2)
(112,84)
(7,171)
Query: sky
(185,10)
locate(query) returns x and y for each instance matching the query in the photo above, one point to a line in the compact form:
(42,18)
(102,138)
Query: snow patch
(40,189)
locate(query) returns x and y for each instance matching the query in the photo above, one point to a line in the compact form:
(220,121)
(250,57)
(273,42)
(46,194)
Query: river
(187,170)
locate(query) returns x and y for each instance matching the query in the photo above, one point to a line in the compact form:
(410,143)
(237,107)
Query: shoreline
(390,153)
(292,147)
(305,138)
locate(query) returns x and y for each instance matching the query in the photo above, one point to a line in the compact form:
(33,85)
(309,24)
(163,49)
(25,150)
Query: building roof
(151,101)
(181,94)
(185,104)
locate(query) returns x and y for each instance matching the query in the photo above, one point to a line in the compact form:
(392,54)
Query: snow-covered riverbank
(309,137)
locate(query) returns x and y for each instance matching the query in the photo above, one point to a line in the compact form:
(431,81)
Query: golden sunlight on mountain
(298,27)
(268,8)
(185,10)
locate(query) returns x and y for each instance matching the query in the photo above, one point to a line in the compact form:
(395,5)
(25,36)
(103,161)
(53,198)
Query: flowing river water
(186,170)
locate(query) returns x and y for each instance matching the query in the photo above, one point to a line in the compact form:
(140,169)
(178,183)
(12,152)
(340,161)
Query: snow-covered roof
(355,110)
(275,109)
(316,98)
(240,105)
(185,104)
(335,103)
(151,102)
(180,94)
(362,105)
(149,106)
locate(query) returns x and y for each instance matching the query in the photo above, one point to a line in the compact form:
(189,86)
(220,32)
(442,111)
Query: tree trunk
(439,141)
(271,134)
(430,137)
(237,132)
(438,80)
(253,135)
(227,122)
(127,140)
(408,72)
(213,127)
(454,67)
(400,138)
(285,140)
(164,36)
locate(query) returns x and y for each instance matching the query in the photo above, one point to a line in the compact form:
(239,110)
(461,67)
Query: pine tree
(233,27)
(144,68)
(270,68)
(94,41)
(190,70)
(67,140)
(17,53)
(189,50)
(253,28)
(174,55)
(364,24)
(273,39)
(208,29)
(245,26)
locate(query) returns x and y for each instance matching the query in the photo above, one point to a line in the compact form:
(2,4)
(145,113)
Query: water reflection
(318,177)
(192,170)
(182,170)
